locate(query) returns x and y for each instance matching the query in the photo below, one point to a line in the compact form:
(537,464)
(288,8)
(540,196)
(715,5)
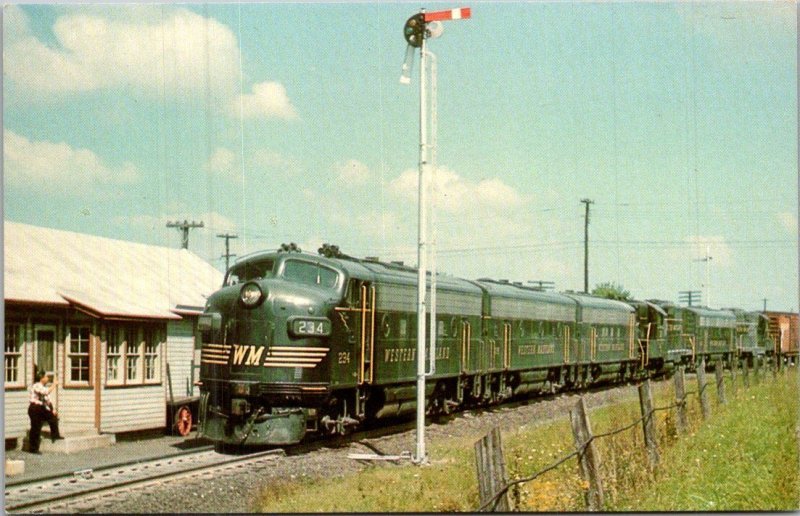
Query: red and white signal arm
(461,13)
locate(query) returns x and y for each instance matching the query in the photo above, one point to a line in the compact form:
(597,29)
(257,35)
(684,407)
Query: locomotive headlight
(251,295)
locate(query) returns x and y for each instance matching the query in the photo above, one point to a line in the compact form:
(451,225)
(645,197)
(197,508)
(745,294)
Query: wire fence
(492,478)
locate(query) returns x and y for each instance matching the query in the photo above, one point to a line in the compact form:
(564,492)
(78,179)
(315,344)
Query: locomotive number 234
(310,327)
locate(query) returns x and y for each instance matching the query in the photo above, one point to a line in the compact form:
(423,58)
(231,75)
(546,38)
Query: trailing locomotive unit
(752,335)
(296,343)
(701,333)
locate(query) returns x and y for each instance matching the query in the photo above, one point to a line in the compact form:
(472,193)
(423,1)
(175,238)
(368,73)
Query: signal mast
(418,28)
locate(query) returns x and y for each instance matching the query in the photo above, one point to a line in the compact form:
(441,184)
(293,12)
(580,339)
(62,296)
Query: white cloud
(267,159)
(268,100)
(223,162)
(54,166)
(789,221)
(156,50)
(459,195)
(179,52)
(15,23)
(353,172)
(227,164)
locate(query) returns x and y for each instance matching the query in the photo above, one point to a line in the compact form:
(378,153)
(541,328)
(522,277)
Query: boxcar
(783,331)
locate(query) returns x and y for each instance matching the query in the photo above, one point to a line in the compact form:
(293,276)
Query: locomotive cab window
(247,271)
(310,274)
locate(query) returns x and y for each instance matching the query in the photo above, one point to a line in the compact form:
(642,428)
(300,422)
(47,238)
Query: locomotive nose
(266,331)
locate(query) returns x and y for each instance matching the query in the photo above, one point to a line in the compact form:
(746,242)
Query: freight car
(296,343)
(784,332)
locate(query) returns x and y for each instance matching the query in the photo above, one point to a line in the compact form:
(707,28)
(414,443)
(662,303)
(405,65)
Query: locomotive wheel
(183,421)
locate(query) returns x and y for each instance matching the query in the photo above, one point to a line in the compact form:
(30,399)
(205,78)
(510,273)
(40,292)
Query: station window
(115,358)
(13,356)
(133,360)
(133,355)
(151,347)
(78,354)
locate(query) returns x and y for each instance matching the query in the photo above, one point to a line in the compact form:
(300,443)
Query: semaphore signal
(418,28)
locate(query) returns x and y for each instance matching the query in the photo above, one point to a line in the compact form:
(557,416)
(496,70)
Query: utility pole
(689,297)
(185,227)
(542,285)
(587,202)
(227,254)
(765,304)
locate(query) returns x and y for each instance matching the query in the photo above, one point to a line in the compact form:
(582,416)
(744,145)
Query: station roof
(102,276)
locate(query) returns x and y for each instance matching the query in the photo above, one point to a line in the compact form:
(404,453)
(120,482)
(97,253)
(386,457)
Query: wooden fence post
(701,389)
(756,368)
(589,458)
(734,370)
(680,400)
(492,471)
(648,423)
(746,374)
(720,382)
(774,361)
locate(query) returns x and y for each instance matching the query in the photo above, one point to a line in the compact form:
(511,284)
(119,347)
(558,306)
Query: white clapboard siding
(76,408)
(133,408)
(180,352)
(16,414)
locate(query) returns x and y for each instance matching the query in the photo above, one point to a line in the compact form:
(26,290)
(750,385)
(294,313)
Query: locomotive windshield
(247,271)
(310,274)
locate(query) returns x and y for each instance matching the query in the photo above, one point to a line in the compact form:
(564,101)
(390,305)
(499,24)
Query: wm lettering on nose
(247,355)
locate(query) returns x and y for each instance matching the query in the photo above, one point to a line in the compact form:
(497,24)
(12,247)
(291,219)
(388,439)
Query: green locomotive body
(711,334)
(296,343)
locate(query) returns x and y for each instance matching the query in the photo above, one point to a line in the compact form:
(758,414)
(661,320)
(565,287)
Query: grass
(744,458)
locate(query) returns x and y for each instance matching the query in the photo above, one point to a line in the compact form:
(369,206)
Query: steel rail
(38,493)
(140,460)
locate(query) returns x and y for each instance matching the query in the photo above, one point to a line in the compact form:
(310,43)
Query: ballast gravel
(236,490)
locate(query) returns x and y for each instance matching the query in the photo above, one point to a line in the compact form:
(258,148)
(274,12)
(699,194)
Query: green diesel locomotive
(296,343)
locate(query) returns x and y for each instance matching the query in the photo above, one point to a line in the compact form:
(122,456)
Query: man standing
(41,410)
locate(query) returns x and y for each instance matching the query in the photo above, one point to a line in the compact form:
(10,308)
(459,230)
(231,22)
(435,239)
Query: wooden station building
(106,317)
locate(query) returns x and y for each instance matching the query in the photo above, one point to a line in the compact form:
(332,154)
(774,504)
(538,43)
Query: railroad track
(67,490)
(80,489)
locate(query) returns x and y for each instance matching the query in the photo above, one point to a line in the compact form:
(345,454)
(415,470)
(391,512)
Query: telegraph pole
(765,304)
(185,227)
(227,255)
(587,202)
(689,297)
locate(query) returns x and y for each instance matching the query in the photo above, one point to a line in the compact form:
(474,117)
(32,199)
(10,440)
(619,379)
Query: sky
(288,123)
